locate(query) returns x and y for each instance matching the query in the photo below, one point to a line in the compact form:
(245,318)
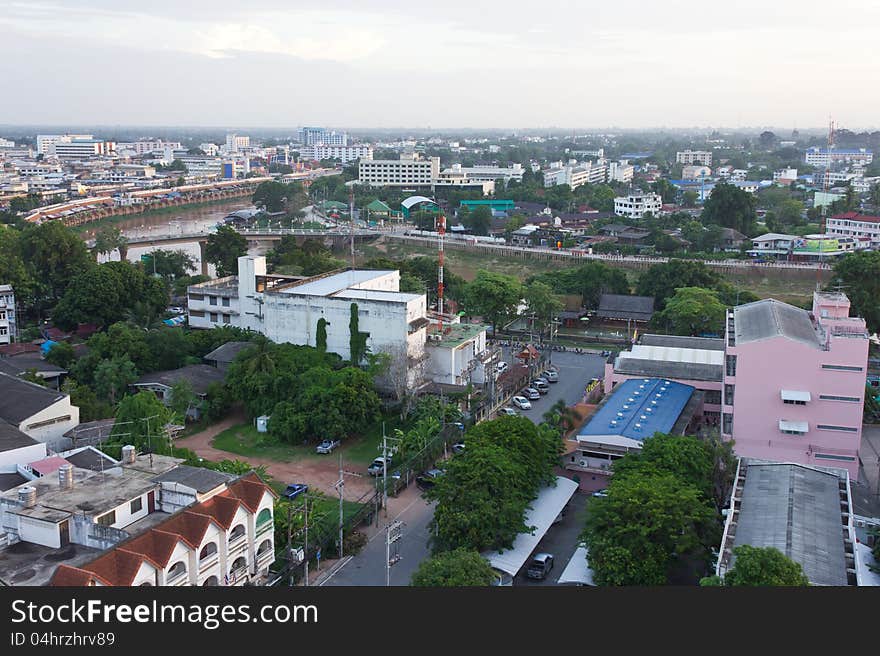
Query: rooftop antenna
(351,216)
(441,231)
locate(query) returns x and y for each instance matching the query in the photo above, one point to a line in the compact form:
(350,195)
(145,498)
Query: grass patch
(244,440)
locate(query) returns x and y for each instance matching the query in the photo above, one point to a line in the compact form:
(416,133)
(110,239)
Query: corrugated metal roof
(544,509)
(771,318)
(578,569)
(638,408)
(796,509)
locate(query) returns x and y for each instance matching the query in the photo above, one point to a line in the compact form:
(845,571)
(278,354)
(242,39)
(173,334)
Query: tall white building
(824,157)
(288,310)
(575,175)
(235,142)
(853,224)
(321,136)
(620,172)
(345,154)
(7,314)
(45,142)
(81,148)
(145,146)
(635,206)
(703,157)
(408,171)
(488,173)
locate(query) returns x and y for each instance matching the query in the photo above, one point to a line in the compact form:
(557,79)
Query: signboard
(593,384)
(802,245)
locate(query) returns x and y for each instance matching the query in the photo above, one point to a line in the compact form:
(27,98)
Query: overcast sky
(455,63)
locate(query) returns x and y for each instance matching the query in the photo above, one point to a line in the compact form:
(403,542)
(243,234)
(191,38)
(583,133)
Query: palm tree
(261,360)
(142,314)
(562,417)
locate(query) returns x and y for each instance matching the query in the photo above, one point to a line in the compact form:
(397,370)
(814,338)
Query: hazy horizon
(397,65)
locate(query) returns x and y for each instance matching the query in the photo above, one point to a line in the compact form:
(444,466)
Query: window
(730,361)
(196,313)
(226,302)
(728,394)
(208,550)
(845,429)
(136,505)
(237,532)
(828,456)
(727,423)
(177,569)
(212,300)
(48,422)
(107,519)
(794,402)
(840,367)
(831,397)
(214,317)
(226,318)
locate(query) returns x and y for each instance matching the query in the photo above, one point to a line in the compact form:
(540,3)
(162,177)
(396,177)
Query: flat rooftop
(456,334)
(638,408)
(679,341)
(28,564)
(198,478)
(377,295)
(333,284)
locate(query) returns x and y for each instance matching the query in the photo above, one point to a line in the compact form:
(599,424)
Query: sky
(456,63)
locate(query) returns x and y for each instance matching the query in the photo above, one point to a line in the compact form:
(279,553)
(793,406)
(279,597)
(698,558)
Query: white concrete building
(81,148)
(824,157)
(703,157)
(852,224)
(635,206)
(785,176)
(488,173)
(575,174)
(7,314)
(145,146)
(38,412)
(345,154)
(287,310)
(235,143)
(772,243)
(209,149)
(321,136)
(45,142)
(408,171)
(458,355)
(620,172)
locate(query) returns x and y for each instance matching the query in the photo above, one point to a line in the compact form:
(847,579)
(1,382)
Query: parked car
(551,375)
(458,447)
(501,367)
(541,386)
(294,490)
(522,403)
(507,412)
(327,446)
(540,566)
(378,466)
(531,394)
(176,309)
(429,478)
(601,493)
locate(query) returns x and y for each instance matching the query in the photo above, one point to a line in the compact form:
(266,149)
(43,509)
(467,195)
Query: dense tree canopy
(731,207)
(859,275)
(54,256)
(223,249)
(661,280)
(693,311)
(764,566)
(140,420)
(454,569)
(590,280)
(494,296)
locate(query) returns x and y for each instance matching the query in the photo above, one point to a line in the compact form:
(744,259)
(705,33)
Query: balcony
(178,579)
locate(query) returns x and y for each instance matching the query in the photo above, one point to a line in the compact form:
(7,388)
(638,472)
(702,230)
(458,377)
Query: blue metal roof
(640,407)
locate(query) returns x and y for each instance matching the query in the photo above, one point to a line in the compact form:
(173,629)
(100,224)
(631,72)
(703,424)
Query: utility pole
(306,548)
(392,534)
(339,485)
(289,547)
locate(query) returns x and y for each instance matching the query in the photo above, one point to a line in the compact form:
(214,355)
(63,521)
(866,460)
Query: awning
(578,569)
(795,395)
(544,509)
(794,426)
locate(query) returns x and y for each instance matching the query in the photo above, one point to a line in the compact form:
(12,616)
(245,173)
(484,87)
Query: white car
(531,394)
(508,412)
(522,403)
(552,376)
(501,367)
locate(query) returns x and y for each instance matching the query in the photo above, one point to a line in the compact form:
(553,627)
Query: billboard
(805,245)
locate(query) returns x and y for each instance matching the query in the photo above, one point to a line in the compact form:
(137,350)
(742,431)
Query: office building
(410,171)
(322,136)
(635,206)
(46,142)
(853,224)
(703,157)
(235,143)
(7,314)
(826,157)
(345,154)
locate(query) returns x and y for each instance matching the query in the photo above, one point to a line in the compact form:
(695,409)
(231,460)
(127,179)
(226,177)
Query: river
(173,221)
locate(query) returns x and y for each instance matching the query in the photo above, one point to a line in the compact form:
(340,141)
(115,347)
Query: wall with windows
(125,513)
(50,424)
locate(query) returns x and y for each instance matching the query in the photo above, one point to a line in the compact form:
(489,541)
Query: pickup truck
(327,446)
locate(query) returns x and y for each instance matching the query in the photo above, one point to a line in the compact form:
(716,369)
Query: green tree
(693,311)
(479,220)
(859,274)
(109,239)
(223,249)
(661,280)
(182,399)
(13,270)
(666,190)
(61,355)
(764,566)
(270,196)
(141,420)
(90,407)
(493,296)
(357,340)
(454,569)
(731,207)
(112,377)
(590,280)
(54,257)
(542,302)
(170,264)
(646,528)
(321,335)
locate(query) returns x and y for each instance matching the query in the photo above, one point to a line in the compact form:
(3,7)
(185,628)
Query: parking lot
(561,540)
(575,371)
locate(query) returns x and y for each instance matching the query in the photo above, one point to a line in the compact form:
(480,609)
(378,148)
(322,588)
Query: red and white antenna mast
(441,231)
(351,227)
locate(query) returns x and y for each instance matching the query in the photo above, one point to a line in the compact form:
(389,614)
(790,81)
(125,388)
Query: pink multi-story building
(794,382)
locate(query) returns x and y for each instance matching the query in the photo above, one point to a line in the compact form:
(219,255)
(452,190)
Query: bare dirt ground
(317,474)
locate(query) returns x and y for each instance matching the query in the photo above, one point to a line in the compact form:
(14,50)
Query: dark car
(294,490)
(429,478)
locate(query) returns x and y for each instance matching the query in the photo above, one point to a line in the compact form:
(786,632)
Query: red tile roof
(120,565)
(855,216)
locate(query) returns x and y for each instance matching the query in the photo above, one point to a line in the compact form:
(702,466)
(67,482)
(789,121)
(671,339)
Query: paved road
(575,371)
(561,540)
(368,567)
